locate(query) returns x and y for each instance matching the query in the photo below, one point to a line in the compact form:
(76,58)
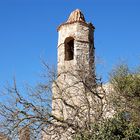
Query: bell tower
(75,43)
(75,57)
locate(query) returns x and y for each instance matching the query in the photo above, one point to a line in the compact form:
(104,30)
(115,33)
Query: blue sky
(28,34)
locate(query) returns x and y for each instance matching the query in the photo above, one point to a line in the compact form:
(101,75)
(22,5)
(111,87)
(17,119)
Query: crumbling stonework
(3,137)
(82,32)
(75,38)
(24,134)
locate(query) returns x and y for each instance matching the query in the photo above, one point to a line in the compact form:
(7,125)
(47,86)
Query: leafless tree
(70,110)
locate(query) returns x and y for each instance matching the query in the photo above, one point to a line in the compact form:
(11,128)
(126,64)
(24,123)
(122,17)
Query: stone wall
(83,42)
(24,134)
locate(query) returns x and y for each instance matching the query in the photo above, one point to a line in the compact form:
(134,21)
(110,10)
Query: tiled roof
(76,15)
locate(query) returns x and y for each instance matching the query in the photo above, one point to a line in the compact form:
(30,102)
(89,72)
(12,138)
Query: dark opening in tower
(69,48)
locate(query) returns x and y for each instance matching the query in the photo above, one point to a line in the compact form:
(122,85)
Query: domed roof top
(76,15)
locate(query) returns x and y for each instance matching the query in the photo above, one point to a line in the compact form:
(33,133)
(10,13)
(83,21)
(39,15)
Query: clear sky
(28,34)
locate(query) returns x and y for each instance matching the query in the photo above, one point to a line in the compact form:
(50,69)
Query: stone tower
(75,43)
(75,53)
(75,58)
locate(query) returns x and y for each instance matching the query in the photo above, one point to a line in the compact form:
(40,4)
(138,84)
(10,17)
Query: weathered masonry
(75,42)
(75,58)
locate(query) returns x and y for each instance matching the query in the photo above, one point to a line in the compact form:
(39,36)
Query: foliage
(125,101)
(116,128)
(126,94)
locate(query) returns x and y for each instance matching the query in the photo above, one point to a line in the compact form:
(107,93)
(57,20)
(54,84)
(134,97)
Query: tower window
(69,48)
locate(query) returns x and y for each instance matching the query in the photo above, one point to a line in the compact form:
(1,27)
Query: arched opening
(69,49)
